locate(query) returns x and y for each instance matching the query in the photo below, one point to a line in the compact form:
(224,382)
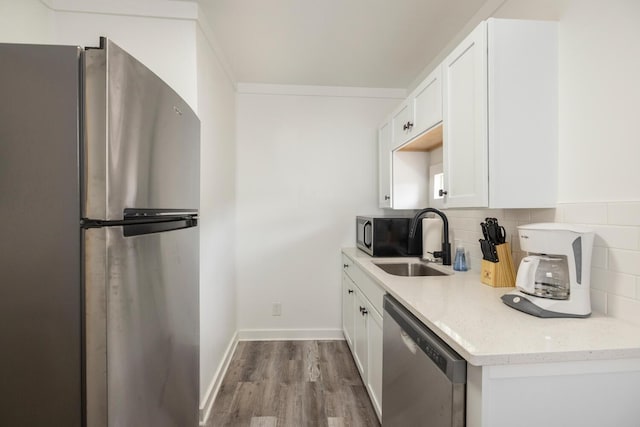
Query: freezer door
(142,141)
(142,345)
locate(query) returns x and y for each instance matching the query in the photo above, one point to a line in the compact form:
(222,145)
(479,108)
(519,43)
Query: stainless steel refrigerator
(99,198)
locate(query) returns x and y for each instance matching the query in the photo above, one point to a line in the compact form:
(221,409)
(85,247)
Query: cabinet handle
(409,125)
(350,291)
(345,265)
(364,311)
(387,197)
(361,309)
(442,193)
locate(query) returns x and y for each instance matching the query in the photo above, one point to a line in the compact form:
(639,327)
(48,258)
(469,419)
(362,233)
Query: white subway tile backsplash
(469,224)
(617,237)
(620,284)
(598,301)
(518,215)
(624,261)
(627,213)
(465,236)
(599,257)
(584,213)
(623,308)
(544,215)
(484,213)
(599,279)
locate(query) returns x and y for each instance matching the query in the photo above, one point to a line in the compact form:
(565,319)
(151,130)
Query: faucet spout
(445,254)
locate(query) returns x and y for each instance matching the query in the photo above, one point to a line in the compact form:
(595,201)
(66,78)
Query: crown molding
(171,9)
(330,91)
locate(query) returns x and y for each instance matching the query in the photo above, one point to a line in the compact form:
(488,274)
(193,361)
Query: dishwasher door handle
(408,342)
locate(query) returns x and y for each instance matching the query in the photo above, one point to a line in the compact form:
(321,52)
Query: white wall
(305,168)
(599,93)
(25,21)
(216,106)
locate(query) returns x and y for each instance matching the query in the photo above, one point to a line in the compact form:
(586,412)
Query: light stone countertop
(473,320)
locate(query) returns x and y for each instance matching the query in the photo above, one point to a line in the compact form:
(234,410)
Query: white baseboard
(212,391)
(289,334)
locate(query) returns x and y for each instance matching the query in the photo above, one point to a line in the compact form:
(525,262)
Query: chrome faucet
(445,253)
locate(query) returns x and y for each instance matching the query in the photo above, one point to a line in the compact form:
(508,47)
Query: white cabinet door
(401,124)
(374,374)
(348,303)
(427,102)
(465,117)
(360,346)
(523,113)
(384,166)
(500,116)
(362,326)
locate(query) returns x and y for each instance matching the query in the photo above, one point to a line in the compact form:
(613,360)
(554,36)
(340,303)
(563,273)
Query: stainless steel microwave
(387,236)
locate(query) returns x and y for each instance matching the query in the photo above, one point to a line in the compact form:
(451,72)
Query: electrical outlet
(276,309)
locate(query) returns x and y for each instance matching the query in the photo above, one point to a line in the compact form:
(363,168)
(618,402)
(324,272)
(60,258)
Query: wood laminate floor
(292,384)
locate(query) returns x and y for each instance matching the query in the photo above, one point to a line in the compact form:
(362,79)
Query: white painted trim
(290,334)
(333,91)
(214,387)
(172,9)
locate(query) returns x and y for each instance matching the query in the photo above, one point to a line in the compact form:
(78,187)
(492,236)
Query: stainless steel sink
(410,269)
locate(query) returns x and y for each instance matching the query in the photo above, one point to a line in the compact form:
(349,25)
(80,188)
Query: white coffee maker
(553,280)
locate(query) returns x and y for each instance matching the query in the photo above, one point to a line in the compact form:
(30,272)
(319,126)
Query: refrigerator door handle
(130,213)
(129,230)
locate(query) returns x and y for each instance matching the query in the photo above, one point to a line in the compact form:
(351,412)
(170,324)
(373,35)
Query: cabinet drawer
(371,290)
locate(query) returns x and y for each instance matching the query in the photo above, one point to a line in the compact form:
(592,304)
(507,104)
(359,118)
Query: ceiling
(360,43)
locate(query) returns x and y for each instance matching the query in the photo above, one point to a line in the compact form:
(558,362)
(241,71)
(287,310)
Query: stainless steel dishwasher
(423,379)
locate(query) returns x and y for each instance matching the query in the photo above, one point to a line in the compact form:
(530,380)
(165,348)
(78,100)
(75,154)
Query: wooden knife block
(499,274)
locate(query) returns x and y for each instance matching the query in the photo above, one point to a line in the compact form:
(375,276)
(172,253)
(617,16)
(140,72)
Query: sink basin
(410,269)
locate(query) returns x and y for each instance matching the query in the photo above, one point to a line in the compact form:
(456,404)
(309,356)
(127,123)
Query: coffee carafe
(544,276)
(553,280)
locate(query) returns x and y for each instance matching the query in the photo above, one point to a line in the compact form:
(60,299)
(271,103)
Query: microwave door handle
(364,237)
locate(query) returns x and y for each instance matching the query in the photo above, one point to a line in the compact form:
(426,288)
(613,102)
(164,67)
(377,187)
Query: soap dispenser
(460,262)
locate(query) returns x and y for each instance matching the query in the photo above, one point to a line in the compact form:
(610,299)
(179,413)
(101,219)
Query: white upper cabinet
(401,123)
(426,100)
(384,165)
(403,144)
(420,111)
(500,113)
(402,176)
(465,122)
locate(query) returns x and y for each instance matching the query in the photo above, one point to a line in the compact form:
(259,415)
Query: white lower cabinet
(360,347)
(591,393)
(348,304)
(374,363)
(362,327)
